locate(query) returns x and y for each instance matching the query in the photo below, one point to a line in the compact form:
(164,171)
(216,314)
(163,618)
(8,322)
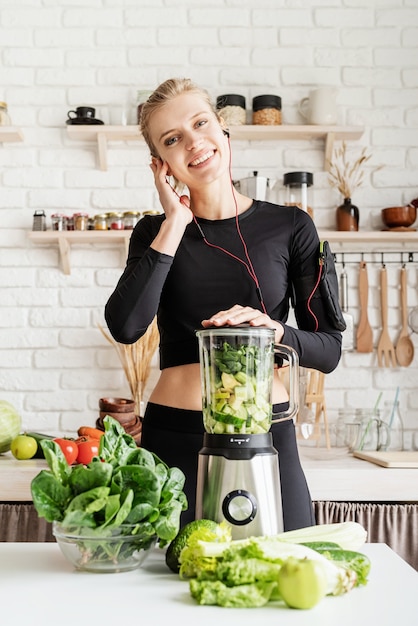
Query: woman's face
(189,137)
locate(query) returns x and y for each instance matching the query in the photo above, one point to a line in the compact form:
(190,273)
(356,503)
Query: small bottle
(267,110)
(115,221)
(100,221)
(231,107)
(130,219)
(81,221)
(39,220)
(4,115)
(297,190)
(58,221)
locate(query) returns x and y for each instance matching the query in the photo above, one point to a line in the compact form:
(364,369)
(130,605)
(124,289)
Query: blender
(238,478)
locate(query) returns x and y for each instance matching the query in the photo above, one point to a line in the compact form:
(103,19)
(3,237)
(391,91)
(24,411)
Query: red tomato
(69,448)
(88,448)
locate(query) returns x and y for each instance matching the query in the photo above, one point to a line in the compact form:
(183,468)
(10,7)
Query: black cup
(82,113)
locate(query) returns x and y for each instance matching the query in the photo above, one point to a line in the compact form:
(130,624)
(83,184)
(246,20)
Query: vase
(347,216)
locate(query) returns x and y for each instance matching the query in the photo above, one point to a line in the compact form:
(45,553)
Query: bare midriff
(179,387)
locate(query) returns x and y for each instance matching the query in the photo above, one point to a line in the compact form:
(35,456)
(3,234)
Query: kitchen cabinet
(153,594)
(376,240)
(10,134)
(329,134)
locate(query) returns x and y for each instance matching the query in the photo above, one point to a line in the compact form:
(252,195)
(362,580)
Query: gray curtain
(20,522)
(393,524)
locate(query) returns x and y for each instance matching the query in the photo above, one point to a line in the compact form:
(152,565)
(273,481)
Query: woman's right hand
(174,205)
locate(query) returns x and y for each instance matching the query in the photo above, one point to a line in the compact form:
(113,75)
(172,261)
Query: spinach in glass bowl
(124,487)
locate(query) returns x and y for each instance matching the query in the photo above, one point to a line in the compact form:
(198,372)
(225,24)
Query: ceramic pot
(347,216)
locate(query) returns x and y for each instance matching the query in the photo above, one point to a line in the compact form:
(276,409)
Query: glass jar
(267,110)
(58,221)
(70,222)
(297,190)
(130,219)
(4,115)
(393,418)
(115,221)
(39,220)
(348,429)
(100,221)
(231,107)
(81,221)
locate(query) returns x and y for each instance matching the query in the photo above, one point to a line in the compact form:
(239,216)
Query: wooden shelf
(376,238)
(68,238)
(10,134)
(354,241)
(102,134)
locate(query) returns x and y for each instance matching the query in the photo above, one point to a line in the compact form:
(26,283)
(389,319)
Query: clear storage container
(298,193)
(267,110)
(231,107)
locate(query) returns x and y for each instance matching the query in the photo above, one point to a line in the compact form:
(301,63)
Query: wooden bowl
(399,216)
(117,405)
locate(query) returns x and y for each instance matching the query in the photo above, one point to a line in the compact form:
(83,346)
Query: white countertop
(38,584)
(333,475)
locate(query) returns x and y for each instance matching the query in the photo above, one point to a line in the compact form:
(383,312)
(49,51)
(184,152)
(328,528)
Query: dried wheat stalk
(346,176)
(136,359)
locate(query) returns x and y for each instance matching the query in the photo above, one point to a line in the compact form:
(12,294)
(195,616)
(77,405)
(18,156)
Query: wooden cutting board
(395,458)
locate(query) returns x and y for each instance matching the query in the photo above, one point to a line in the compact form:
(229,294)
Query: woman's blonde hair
(164,93)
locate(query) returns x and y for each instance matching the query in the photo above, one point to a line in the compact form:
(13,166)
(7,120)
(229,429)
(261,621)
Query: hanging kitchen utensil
(348,334)
(364,330)
(413,319)
(404,346)
(385,350)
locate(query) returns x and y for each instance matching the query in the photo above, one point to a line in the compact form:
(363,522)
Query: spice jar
(231,107)
(100,221)
(81,221)
(130,219)
(267,110)
(4,116)
(39,220)
(115,221)
(58,221)
(297,190)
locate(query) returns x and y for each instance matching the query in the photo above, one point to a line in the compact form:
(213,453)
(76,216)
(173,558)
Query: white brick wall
(54,363)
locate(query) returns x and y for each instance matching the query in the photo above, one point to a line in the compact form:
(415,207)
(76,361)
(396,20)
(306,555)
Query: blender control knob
(239,507)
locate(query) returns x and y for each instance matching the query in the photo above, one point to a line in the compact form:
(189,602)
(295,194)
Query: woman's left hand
(245,315)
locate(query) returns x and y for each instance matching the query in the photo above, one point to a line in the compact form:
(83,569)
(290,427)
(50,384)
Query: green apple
(302,583)
(23,447)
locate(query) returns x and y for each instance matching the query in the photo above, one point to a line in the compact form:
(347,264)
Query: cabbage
(10,425)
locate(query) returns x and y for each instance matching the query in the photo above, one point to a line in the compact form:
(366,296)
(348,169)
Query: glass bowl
(108,551)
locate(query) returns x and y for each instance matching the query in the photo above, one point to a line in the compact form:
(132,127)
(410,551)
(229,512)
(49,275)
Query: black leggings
(176,436)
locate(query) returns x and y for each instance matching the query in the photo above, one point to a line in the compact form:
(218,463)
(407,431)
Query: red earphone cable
(249,266)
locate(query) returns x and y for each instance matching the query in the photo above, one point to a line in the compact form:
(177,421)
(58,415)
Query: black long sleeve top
(283,246)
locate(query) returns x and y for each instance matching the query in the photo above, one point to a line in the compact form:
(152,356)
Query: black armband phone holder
(324,285)
(328,286)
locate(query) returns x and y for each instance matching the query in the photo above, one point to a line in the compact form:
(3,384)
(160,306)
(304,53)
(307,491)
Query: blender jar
(237,365)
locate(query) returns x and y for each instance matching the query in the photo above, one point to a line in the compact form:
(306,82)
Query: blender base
(238,481)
